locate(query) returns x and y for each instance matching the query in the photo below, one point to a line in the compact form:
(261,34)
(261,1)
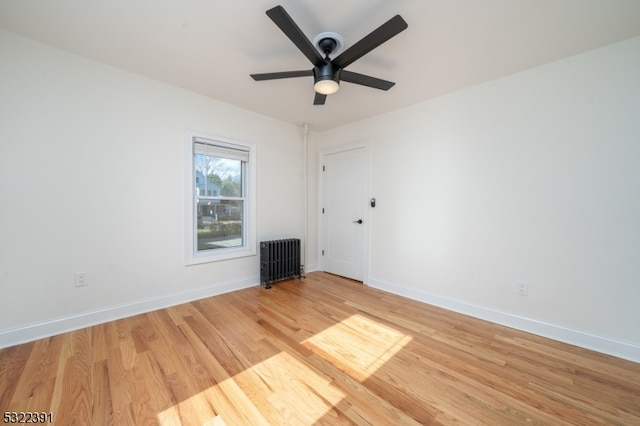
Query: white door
(344,207)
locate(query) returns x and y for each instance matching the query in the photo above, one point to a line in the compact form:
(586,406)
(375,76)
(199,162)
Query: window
(220,210)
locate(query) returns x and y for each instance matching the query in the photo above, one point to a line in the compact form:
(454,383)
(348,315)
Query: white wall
(92,179)
(532,177)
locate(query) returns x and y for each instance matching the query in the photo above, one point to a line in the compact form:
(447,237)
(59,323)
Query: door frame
(365,146)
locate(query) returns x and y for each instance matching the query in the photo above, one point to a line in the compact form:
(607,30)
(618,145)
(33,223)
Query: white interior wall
(531,177)
(92,179)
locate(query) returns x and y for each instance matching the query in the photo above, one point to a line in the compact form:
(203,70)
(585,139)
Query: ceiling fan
(327,73)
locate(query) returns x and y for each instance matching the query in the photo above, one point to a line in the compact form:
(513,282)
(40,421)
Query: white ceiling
(211,46)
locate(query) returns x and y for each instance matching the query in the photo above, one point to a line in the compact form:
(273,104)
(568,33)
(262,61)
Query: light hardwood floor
(324,350)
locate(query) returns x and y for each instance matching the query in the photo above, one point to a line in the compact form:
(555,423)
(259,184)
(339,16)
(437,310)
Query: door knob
(357,221)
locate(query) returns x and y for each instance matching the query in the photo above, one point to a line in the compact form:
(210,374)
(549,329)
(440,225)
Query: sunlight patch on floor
(358,345)
(196,410)
(172,419)
(281,389)
(298,394)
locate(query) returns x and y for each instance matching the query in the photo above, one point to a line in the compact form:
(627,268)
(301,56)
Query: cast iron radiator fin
(279,260)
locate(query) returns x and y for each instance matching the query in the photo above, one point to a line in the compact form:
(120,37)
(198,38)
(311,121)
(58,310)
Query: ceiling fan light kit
(327,73)
(326,78)
(326,87)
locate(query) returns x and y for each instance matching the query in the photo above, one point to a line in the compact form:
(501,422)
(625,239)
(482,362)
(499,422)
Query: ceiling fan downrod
(327,45)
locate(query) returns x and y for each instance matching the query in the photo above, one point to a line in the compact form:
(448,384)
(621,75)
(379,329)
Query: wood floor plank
(102,411)
(13,361)
(323,350)
(79,384)
(41,366)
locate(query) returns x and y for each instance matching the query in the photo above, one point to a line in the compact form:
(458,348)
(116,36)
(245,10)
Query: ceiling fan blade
(319,99)
(378,36)
(365,80)
(283,74)
(282,19)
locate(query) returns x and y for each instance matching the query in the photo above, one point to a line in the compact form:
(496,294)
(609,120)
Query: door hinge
(323,210)
(323,168)
(323,252)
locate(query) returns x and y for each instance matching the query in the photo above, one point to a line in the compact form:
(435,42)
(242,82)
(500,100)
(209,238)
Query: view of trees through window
(219,202)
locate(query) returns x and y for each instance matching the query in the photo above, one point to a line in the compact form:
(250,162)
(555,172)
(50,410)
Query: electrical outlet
(522,288)
(81,279)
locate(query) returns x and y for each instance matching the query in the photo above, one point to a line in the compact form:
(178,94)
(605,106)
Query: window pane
(217,176)
(219,223)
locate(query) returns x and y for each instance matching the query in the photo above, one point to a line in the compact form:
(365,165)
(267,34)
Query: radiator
(279,260)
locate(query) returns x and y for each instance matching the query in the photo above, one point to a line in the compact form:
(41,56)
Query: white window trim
(192,256)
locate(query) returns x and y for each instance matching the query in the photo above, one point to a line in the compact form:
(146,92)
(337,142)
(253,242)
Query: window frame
(248,248)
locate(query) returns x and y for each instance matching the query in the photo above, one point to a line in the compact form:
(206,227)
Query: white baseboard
(31,332)
(311,267)
(616,347)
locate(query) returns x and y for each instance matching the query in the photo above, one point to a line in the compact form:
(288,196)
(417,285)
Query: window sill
(224,254)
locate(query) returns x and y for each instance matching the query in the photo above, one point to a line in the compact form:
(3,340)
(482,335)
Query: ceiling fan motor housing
(327,71)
